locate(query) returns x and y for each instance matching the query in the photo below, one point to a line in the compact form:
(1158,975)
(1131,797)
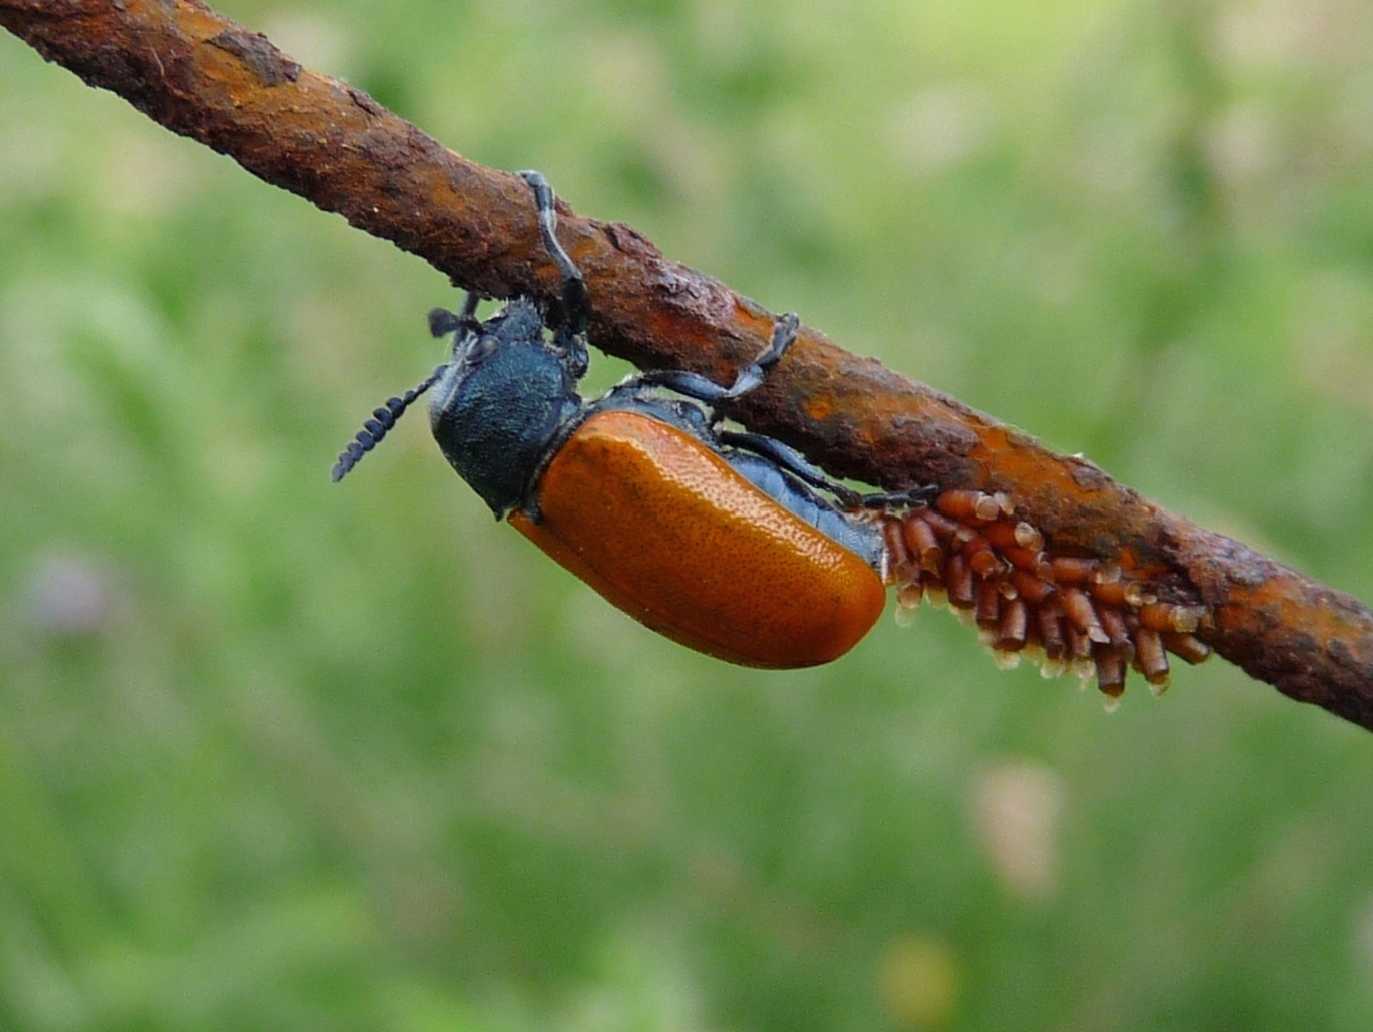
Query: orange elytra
(665,529)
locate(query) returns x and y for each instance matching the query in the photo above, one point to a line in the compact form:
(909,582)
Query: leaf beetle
(720,540)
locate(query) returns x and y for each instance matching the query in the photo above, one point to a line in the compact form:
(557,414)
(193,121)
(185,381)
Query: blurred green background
(278,754)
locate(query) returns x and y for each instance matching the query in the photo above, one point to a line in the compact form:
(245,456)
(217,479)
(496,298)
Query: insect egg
(1090,616)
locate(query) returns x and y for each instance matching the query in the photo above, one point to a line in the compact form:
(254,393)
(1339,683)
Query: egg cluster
(1067,613)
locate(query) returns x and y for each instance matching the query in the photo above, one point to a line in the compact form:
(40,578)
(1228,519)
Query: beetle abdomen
(666,530)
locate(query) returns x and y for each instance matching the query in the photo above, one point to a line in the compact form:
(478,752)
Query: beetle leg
(694,385)
(573,348)
(574,288)
(783,337)
(469,307)
(570,337)
(794,462)
(922,495)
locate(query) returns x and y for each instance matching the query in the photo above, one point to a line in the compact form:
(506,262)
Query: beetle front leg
(570,337)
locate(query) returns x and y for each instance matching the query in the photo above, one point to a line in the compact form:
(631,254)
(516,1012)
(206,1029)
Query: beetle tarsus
(783,337)
(912,497)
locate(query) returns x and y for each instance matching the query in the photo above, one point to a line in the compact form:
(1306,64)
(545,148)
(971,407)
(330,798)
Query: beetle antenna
(374,429)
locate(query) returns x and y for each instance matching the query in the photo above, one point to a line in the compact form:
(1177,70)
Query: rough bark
(208,78)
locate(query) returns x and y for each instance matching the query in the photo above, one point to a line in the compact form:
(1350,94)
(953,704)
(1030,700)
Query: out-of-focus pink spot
(1016,808)
(69,595)
(1363,939)
(940,127)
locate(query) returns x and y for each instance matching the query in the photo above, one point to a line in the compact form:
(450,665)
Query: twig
(205,77)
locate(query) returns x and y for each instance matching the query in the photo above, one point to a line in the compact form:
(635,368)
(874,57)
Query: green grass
(355,757)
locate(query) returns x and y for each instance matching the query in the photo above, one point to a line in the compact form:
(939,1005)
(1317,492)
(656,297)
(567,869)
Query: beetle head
(499,402)
(495,404)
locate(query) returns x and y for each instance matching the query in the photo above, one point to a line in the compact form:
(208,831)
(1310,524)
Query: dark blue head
(499,403)
(495,406)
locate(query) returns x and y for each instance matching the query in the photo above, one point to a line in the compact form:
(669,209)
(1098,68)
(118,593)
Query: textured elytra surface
(664,529)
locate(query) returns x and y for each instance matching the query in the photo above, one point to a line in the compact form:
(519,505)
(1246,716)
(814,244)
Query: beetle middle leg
(694,385)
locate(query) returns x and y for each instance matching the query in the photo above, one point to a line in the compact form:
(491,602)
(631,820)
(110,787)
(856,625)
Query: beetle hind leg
(791,460)
(801,467)
(911,497)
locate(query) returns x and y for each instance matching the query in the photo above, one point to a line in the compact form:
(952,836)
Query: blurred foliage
(277,754)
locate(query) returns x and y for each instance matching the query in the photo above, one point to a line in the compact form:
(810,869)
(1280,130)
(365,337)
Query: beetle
(728,542)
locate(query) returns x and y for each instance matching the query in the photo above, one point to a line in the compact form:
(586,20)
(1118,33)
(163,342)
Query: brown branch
(205,77)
